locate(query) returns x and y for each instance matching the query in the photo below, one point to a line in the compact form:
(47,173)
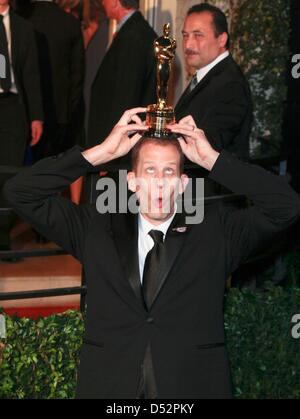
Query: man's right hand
(118,143)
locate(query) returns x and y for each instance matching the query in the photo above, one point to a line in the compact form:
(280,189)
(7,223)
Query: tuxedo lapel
(182,98)
(203,83)
(187,96)
(174,241)
(125,234)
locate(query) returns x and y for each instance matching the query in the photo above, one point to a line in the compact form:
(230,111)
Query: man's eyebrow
(195,31)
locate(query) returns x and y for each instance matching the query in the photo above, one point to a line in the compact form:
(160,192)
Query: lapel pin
(180,229)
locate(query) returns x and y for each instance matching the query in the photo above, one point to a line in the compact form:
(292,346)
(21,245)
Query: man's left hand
(194,144)
(36,132)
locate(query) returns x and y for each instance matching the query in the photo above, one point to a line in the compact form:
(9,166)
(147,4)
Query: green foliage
(293,268)
(40,357)
(265,359)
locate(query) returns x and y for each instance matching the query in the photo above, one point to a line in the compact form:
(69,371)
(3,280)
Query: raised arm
(276,206)
(33,193)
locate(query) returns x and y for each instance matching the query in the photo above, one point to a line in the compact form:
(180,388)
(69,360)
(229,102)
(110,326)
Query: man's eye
(150,169)
(169,171)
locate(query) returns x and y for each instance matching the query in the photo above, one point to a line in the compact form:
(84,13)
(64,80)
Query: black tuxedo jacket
(221,105)
(25,66)
(126,78)
(184,325)
(61,59)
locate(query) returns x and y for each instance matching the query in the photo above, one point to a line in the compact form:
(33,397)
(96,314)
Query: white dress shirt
(145,242)
(201,73)
(6,22)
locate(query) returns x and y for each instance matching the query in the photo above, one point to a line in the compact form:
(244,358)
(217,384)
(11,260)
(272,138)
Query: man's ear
(184,180)
(223,38)
(131,181)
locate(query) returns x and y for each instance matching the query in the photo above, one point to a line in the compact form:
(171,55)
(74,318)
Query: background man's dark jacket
(17,111)
(221,105)
(25,66)
(185,325)
(126,78)
(61,59)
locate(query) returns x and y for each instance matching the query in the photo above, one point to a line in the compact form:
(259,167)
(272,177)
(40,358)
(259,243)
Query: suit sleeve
(31,77)
(137,69)
(34,195)
(275,207)
(223,120)
(77,69)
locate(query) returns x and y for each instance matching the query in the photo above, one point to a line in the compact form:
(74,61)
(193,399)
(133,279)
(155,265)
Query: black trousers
(13,139)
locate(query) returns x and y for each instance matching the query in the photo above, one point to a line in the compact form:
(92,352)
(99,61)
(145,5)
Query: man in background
(21,111)
(218,96)
(96,47)
(61,58)
(127,75)
(125,79)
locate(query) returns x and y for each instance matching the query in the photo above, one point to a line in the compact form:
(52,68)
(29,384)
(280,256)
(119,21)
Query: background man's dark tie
(6,82)
(193,82)
(150,278)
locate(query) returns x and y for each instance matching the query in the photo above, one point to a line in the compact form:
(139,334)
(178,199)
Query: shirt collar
(145,226)
(201,73)
(124,20)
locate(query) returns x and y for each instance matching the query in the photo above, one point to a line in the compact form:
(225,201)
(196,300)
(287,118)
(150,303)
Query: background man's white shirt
(201,73)
(6,22)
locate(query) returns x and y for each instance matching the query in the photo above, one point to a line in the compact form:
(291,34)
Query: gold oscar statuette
(160,115)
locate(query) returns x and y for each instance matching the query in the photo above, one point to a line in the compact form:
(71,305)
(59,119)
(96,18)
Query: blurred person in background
(21,111)
(61,58)
(127,75)
(94,24)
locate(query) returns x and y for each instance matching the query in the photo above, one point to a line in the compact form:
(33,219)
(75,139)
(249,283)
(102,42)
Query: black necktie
(6,82)
(153,259)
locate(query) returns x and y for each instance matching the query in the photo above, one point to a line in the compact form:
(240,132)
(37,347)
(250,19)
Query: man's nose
(160,179)
(189,42)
